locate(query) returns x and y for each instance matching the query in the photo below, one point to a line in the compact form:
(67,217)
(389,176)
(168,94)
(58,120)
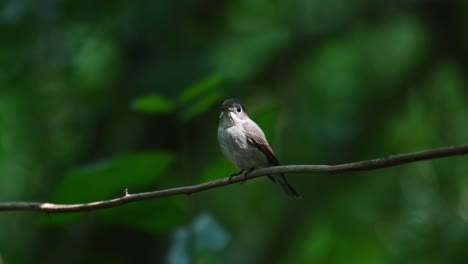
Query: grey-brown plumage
(244,143)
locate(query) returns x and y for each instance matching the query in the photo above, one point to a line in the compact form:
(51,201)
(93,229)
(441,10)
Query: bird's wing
(256,137)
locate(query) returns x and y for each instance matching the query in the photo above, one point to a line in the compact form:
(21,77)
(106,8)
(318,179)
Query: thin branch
(348,167)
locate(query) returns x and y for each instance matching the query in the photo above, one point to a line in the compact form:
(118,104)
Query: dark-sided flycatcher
(245,145)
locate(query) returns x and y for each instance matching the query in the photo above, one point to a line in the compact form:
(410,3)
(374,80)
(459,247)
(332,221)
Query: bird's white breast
(238,150)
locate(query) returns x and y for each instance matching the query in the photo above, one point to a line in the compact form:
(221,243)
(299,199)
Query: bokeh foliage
(99,97)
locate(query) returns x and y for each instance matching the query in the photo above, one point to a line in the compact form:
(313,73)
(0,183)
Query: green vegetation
(97,97)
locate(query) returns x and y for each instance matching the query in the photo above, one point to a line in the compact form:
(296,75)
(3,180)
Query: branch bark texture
(389,161)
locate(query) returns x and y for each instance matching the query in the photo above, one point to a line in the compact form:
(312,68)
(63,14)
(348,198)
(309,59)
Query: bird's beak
(224,112)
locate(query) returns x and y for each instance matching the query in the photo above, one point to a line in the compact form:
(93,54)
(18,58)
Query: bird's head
(233,110)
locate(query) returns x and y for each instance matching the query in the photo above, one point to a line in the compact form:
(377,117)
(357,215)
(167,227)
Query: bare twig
(127,198)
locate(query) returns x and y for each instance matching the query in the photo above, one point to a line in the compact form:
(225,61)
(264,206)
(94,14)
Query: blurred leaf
(157,215)
(201,105)
(208,235)
(153,104)
(178,252)
(109,179)
(200,88)
(200,97)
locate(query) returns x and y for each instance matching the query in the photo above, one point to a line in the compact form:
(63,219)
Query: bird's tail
(288,189)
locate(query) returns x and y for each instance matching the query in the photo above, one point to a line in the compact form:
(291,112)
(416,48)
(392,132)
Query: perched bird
(245,145)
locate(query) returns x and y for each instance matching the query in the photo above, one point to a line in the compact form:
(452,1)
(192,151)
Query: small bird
(245,145)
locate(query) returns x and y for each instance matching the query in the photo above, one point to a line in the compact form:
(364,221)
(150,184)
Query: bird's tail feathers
(288,189)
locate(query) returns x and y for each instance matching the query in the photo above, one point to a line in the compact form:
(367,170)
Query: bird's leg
(247,173)
(234,175)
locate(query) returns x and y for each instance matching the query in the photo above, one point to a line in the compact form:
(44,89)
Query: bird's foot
(244,178)
(234,175)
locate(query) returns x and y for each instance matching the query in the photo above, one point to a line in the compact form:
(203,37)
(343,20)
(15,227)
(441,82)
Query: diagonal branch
(348,167)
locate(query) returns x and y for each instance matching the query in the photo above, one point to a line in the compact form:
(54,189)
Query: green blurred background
(99,96)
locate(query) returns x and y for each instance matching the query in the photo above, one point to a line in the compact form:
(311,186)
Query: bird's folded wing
(256,137)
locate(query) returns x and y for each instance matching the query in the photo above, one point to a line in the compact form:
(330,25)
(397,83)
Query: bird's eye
(239,109)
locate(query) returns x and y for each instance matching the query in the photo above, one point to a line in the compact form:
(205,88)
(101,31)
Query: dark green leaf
(153,104)
(157,215)
(201,105)
(200,88)
(109,179)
